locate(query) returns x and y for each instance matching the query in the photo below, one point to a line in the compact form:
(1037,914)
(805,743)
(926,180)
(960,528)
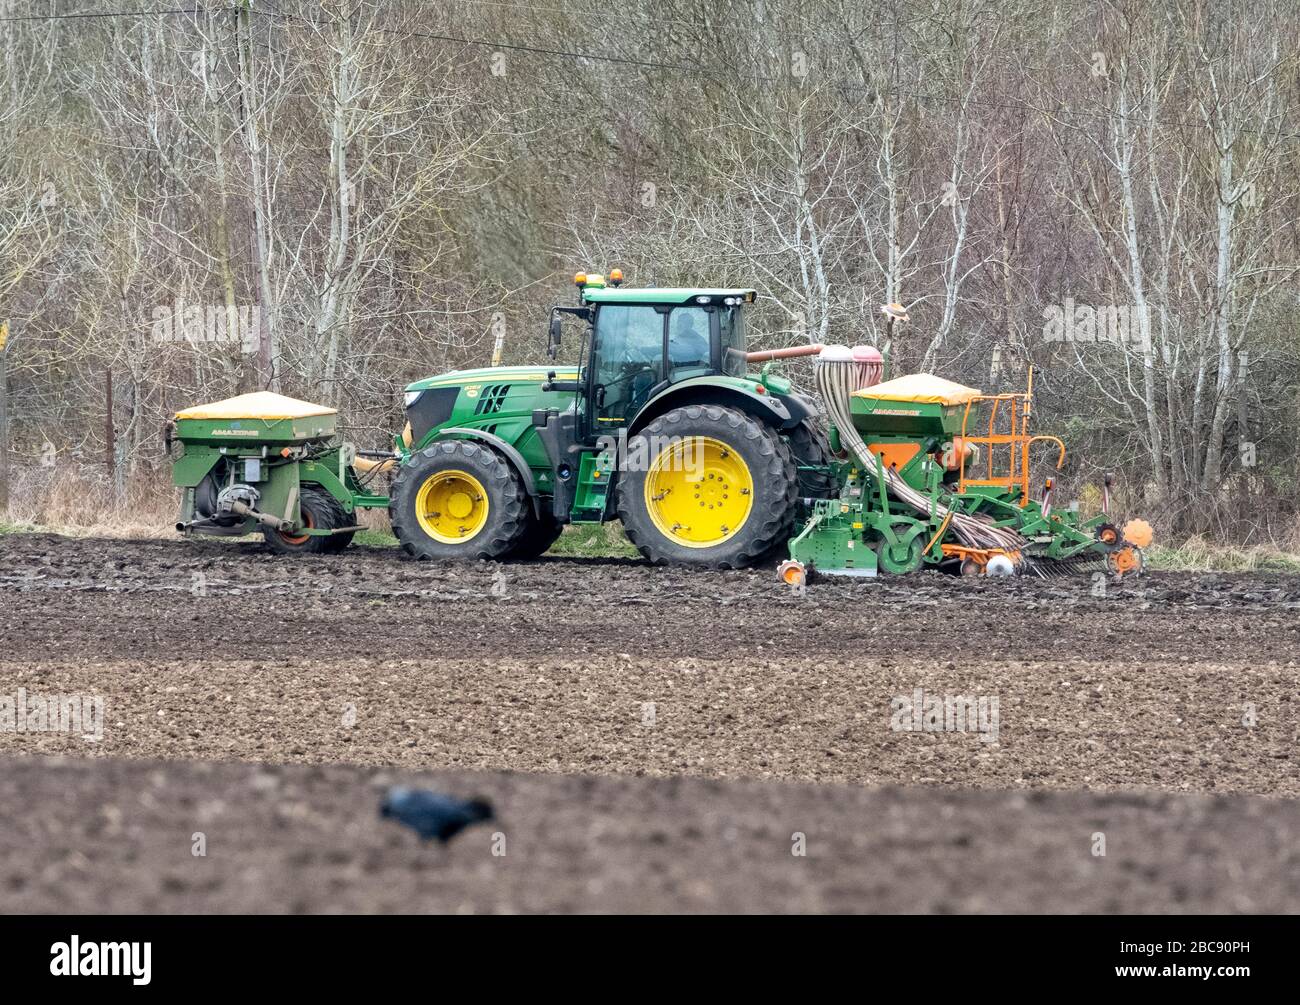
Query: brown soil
(219,651)
(119,836)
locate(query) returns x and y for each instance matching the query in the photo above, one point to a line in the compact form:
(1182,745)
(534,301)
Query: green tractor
(660,425)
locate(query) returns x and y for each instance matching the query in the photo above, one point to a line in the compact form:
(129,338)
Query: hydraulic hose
(836,382)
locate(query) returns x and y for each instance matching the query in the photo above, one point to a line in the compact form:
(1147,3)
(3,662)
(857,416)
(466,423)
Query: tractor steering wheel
(602,389)
(631,375)
(639,353)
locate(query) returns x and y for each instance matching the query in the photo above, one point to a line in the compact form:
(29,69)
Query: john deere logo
(471,391)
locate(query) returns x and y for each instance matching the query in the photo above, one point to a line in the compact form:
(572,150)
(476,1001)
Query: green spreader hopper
(916,405)
(269,462)
(268,419)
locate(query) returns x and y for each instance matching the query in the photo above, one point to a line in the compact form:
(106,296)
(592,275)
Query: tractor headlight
(412,397)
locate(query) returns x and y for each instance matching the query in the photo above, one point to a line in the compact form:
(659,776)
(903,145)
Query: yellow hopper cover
(258,405)
(920,387)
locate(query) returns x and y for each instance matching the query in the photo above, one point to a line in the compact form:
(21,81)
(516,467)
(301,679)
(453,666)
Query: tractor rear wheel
(811,445)
(320,511)
(718,489)
(457,499)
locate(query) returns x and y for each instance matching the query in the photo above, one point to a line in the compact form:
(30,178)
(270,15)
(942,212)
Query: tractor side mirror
(553,337)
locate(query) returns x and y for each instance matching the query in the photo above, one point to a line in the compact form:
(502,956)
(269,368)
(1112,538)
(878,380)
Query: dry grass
(82,501)
(1199,555)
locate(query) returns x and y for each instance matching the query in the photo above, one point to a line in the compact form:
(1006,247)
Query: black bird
(432,814)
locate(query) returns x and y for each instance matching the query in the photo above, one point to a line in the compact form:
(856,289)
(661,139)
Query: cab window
(731,331)
(629,360)
(688,342)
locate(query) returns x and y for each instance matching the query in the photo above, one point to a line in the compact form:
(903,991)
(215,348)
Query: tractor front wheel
(708,485)
(457,499)
(537,538)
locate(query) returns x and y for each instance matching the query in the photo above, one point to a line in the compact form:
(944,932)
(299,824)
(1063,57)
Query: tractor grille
(491,398)
(432,408)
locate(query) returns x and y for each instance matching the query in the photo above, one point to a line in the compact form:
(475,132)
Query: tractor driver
(687,346)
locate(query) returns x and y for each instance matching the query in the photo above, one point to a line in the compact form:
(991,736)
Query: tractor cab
(659,425)
(640,342)
(639,345)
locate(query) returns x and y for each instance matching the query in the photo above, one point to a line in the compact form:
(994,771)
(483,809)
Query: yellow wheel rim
(699,492)
(451,506)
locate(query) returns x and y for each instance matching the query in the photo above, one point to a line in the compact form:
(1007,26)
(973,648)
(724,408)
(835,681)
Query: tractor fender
(507,450)
(801,406)
(780,411)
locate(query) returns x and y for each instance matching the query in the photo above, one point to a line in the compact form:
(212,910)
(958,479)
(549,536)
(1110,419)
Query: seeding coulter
(704,450)
(931,472)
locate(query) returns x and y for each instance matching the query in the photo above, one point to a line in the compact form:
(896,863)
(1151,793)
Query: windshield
(731,327)
(629,359)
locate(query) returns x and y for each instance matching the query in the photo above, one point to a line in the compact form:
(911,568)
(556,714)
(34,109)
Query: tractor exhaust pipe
(763,355)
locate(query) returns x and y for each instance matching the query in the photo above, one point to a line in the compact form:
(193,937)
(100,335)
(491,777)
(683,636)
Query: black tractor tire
(537,537)
(320,511)
(811,444)
(507,502)
(770,521)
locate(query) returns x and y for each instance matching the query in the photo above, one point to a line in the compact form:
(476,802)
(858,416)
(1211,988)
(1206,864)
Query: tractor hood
(495,374)
(500,400)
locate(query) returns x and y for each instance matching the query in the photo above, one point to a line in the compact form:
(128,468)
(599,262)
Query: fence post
(4,420)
